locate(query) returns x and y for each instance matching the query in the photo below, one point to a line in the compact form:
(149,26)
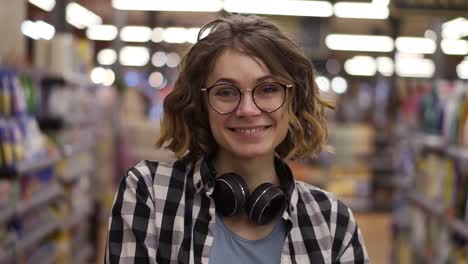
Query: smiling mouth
(249,131)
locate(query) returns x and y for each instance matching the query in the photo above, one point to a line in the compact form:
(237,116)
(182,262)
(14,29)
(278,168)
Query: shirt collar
(203,179)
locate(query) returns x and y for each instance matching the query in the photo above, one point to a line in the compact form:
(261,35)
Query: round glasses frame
(241,92)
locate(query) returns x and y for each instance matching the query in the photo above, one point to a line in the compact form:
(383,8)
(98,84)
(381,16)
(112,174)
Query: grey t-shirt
(229,248)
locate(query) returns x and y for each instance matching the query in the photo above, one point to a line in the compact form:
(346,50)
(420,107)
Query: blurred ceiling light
(135,34)
(280,7)
(38,30)
(361,66)
(103,76)
(359,43)
(134,56)
(462,69)
(192,35)
(102,32)
(454,46)
(415,45)
(175,35)
(385,66)
(46,5)
(323,83)
(157,35)
(107,57)
(156,79)
(339,85)
(173,5)
(381,2)
(159,59)
(109,78)
(81,17)
(411,65)
(45,30)
(98,75)
(28,28)
(361,10)
(455,29)
(173,59)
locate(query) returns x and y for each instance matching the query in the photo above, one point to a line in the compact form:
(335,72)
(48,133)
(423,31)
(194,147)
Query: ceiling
(402,22)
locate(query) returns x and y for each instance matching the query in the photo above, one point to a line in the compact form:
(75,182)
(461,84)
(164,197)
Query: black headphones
(231,196)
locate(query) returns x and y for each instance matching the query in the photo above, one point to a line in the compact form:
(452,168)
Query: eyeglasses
(224,98)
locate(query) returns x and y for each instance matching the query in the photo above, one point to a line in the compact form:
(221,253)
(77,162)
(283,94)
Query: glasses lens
(224,98)
(269,96)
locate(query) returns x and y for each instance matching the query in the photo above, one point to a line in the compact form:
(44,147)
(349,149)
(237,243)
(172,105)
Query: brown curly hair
(185,128)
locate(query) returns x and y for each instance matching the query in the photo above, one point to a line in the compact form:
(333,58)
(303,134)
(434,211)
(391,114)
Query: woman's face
(247,132)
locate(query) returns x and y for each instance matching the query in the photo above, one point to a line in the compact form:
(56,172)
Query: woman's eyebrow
(236,83)
(226,80)
(265,78)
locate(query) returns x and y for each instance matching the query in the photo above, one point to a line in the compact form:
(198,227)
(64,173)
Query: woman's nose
(247,106)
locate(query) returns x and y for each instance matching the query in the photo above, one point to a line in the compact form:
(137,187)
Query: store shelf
(6,214)
(425,204)
(83,255)
(458,152)
(37,235)
(75,219)
(430,141)
(72,175)
(421,254)
(459,227)
(28,166)
(24,167)
(43,257)
(44,196)
(455,225)
(438,144)
(70,150)
(7,256)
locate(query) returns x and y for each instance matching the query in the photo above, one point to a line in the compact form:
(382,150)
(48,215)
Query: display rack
(431,210)
(52,217)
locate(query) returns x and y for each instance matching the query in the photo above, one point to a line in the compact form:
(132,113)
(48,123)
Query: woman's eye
(269,89)
(226,92)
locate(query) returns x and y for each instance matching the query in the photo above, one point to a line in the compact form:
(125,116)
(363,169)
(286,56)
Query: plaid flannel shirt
(164,213)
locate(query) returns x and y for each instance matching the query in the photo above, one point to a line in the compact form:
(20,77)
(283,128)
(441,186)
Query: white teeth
(249,131)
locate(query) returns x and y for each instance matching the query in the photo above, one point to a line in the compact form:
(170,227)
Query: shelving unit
(433,208)
(44,196)
(25,167)
(429,207)
(55,200)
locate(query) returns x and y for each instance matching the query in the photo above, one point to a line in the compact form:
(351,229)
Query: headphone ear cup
(230,194)
(266,201)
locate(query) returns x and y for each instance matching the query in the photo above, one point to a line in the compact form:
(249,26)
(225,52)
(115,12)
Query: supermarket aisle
(77,109)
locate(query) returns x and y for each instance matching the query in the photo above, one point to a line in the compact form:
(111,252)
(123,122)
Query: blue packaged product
(17,95)
(2,158)
(17,142)
(5,100)
(22,122)
(6,144)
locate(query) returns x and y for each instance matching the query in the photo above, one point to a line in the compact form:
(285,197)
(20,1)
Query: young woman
(244,101)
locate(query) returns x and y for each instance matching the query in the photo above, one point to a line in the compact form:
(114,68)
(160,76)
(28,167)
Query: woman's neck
(254,171)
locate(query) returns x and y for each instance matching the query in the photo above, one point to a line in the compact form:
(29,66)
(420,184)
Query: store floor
(376,229)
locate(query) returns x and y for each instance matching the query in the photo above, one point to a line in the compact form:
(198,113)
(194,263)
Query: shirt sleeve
(131,234)
(352,248)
